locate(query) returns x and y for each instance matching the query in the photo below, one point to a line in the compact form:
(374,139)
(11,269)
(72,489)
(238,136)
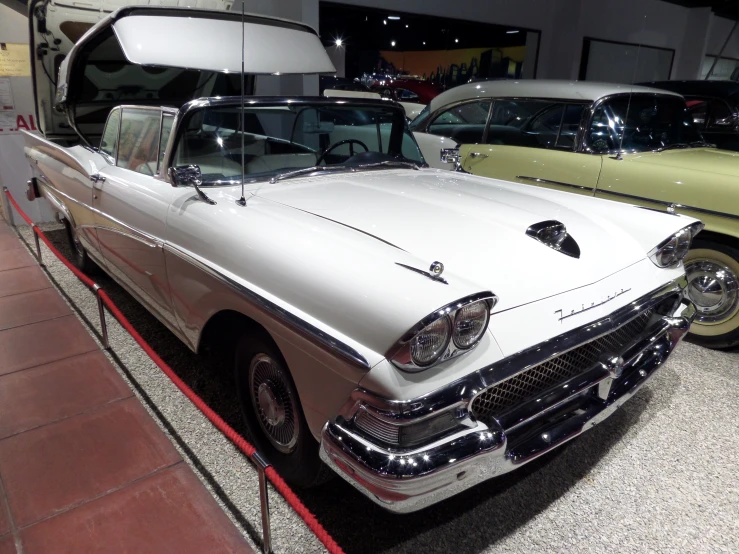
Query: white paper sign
(7,120)
(6,95)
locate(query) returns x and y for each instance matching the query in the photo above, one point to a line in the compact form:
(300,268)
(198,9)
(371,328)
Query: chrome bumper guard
(407,481)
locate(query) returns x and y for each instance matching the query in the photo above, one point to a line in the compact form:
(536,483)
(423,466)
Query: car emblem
(563,314)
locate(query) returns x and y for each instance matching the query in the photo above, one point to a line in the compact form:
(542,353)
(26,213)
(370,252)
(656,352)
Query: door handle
(478,155)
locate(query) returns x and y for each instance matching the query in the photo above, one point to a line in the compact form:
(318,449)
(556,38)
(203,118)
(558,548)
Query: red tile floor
(83,466)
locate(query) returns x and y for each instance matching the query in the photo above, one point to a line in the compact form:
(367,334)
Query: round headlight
(431,342)
(470,323)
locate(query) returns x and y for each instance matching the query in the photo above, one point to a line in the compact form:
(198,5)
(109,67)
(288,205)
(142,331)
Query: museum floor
(83,466)
(660,475)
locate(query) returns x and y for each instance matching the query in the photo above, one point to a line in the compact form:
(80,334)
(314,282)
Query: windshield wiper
(361,167)
(677,145)
(314,169)
(390,163)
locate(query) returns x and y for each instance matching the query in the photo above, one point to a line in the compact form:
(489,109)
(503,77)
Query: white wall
(14,169)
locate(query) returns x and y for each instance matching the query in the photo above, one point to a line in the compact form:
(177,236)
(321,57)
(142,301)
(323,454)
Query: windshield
(285,137)
(647,122)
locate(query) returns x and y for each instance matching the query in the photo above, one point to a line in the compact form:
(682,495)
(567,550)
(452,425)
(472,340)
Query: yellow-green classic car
(619,142)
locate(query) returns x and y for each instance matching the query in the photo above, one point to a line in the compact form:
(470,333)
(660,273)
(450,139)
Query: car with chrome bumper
(417,330)
(628,143)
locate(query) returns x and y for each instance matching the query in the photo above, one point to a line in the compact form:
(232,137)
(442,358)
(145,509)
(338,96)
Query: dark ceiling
(722,8)
(373,29)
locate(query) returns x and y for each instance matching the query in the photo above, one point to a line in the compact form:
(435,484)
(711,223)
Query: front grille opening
(496,400)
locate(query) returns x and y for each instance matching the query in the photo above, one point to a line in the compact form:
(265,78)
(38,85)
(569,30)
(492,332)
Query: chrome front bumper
(406,481)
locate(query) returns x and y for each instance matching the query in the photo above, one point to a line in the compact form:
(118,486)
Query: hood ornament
(434,272)
(436,269)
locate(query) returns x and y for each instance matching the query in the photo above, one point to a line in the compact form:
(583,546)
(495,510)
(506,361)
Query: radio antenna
(631,93)
(242,200)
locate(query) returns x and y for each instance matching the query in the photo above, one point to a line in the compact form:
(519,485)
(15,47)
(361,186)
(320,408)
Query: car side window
(535,124)
(464,123)
(720,116)
(139,142)
(698,108)
(109,140)
(167,121)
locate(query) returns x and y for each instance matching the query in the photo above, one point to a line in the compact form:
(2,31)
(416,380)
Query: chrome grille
(376,427)
(495,400)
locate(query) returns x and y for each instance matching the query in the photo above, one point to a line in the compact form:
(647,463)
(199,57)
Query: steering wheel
(337,144)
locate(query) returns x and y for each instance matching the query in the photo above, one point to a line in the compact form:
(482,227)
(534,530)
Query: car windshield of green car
(285,139)
(642,123)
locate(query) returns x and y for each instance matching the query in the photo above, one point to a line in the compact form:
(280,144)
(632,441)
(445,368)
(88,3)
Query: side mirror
(186,176)
(189,176)
(450,156)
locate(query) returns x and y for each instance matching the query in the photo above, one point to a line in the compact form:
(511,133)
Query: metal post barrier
(38,245)
(103,326)
(8,209)
(263,464)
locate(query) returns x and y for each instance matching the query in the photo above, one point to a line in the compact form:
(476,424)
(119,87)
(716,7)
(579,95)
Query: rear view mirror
(314,127)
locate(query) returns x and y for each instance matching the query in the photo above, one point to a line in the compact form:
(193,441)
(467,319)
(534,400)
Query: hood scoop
(554,234)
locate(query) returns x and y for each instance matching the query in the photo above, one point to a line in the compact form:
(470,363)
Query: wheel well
(223,329)
(726,240)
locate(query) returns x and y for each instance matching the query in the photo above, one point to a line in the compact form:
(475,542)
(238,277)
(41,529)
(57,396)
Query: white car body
(333,268)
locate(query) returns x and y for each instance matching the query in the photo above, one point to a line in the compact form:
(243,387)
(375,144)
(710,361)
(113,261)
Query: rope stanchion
(263,467)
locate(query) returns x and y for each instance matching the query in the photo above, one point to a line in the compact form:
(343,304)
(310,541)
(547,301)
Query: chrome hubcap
(714,289)
(271,405)
(275,407)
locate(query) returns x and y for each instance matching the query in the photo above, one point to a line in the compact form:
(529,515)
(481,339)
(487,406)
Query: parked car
(570,136)
(714,106)
(406,90)
(419,331)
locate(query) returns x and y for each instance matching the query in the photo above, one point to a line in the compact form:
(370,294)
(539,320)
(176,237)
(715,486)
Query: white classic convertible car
(418,330)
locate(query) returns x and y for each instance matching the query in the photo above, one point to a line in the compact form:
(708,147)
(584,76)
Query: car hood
(711,160)
(477,227)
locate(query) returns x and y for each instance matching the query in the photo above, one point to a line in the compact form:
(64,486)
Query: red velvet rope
(279,483)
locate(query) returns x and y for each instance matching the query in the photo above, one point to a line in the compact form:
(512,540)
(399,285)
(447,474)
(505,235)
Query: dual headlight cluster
(446,333)
(671,251)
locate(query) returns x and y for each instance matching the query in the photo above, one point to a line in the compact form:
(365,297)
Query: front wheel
(272,412)
(712,270)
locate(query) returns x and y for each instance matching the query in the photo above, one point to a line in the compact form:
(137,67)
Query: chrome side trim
(297,324)
(133,236)
(669,205)
(550,182)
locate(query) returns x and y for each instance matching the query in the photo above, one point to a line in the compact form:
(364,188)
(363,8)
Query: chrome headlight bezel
(671,252)
(401,354)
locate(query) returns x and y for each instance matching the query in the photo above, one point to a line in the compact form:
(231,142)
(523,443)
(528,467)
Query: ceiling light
(339,42)
(384,21)
(512,32)
(392,43)
(424,43)
(393,17)
(406,26)
(456,40)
